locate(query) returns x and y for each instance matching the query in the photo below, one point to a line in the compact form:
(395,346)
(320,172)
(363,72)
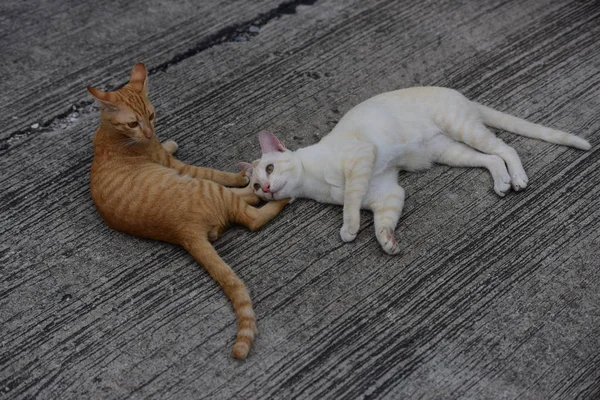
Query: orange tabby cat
(138,187)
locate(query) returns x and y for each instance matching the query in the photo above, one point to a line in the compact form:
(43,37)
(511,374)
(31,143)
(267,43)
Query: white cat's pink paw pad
(388,241)
(347,234)
(519,181)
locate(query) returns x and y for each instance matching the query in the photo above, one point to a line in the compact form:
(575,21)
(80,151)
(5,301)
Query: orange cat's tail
(235,290)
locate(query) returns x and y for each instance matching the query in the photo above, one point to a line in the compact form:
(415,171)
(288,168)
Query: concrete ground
(491,298)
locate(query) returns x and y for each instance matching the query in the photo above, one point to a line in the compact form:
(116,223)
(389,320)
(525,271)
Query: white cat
(357,163)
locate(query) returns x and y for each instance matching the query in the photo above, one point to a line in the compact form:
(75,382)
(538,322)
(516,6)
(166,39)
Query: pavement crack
(239,32)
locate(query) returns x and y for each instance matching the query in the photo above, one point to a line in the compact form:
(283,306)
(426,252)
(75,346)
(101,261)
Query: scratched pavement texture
(491,298)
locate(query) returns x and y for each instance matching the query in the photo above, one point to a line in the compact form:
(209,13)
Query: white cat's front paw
(348,234)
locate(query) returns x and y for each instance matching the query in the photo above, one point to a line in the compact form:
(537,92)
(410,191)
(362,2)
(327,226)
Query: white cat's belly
(386,120)
(334,196)
(337,195)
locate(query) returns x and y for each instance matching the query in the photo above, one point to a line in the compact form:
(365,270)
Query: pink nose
(266,188)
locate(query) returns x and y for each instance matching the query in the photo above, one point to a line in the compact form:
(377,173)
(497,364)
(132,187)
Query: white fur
(356,164)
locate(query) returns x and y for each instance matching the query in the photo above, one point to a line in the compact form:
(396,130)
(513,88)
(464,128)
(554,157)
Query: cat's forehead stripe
(286,170)
(139,105)
(134,100)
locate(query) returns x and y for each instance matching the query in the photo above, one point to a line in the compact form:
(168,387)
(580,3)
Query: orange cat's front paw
(241,179)
(247,194)
(170,146)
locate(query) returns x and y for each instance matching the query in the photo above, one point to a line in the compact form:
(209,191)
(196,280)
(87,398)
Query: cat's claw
(246,169)
(388,241)
(502,183)
(501,188)
(242,179)
(519,181)
(347,235)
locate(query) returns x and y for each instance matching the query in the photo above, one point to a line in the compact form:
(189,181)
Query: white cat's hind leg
(450,152)
(474,133)
(386,200)
(486,141)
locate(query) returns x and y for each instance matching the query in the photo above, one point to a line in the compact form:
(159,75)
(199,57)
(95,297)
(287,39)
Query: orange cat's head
(128,109)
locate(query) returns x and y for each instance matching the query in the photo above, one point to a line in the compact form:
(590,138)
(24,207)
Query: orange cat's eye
(133,124)
(151,117)
(256,186)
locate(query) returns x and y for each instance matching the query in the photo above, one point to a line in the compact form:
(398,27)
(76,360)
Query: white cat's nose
(266,188)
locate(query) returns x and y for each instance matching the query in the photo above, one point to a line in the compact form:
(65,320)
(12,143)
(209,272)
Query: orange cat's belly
(138,203)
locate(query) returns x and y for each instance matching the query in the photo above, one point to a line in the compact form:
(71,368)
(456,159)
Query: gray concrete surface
(490,299)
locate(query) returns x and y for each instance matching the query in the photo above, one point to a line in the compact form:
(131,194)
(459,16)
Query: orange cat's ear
(139,78)
(104,99)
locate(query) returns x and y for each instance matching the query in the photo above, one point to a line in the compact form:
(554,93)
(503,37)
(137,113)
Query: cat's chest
(324,191)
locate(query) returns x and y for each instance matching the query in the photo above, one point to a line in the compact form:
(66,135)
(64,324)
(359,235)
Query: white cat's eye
(133,124)
(151,117)
(269,168)
(256,186)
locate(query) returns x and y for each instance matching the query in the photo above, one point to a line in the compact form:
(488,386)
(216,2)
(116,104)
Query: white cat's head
(278,172)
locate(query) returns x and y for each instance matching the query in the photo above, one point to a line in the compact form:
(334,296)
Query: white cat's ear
(103,99)
(139,78)
(246,167)
(269,143)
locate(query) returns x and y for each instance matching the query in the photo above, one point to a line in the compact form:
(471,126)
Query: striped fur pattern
(356,165)
(138,187)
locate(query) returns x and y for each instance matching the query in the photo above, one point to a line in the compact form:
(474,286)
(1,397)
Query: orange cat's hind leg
(170,146)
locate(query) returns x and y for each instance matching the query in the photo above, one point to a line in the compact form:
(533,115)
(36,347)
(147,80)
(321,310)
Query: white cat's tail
(521,127)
